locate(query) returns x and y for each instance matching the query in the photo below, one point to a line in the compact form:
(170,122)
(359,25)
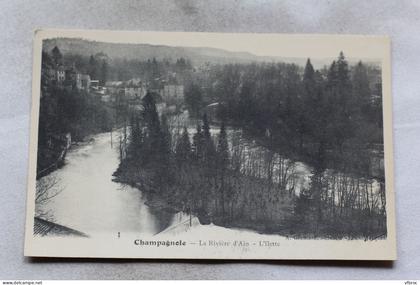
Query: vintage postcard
(210,146)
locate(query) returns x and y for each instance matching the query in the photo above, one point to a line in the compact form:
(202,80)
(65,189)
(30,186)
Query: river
(91,202)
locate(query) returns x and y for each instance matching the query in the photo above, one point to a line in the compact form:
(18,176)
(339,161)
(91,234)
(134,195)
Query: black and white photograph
(200,145)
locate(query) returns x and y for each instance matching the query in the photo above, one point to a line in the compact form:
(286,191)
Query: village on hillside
(60,76)
(171,95)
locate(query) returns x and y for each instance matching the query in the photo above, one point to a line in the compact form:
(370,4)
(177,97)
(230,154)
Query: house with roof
(114,87)
(134,88)
(85,82)
(57,75)
(73,78)
(173,94)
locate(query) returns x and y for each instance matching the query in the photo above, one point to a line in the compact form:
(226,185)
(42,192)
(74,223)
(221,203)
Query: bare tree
(47,188)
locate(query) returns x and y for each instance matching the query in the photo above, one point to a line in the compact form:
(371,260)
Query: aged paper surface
(210,146)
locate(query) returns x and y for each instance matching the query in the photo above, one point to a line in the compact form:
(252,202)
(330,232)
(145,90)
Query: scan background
(398,19)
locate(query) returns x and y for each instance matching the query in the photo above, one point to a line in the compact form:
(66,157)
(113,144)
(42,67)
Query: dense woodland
(326,118)
(314,115)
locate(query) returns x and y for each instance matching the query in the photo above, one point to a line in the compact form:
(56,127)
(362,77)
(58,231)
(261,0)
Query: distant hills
(197,55)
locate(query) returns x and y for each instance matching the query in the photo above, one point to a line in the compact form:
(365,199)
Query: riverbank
(253,208)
